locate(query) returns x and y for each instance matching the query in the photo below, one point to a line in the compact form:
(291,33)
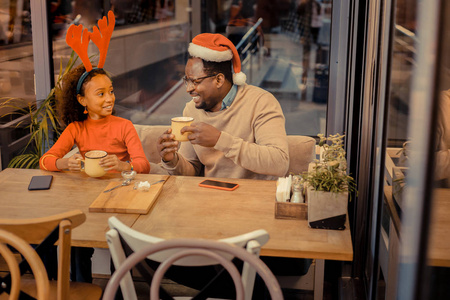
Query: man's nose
(190,86)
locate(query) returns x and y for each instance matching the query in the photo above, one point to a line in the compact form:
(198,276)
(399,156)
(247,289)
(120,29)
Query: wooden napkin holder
(289,210)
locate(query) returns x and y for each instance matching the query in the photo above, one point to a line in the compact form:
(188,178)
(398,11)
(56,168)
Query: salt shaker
(296,190)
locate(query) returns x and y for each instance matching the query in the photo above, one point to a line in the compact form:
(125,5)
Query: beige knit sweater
(252,142)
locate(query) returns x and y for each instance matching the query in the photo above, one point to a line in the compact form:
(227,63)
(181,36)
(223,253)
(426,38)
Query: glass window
(16,75)
(438,262)
(435,275)
(292,57)
(146,55)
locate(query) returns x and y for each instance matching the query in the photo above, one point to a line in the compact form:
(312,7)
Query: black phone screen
(218,184)
(40,182)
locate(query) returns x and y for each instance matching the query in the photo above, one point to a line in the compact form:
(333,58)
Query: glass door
(292,56)
(411,228)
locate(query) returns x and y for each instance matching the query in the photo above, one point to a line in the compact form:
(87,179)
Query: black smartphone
(42,182)
(221,185)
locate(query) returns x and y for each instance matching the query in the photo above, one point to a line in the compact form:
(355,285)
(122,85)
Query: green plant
(330,174)
(43,124)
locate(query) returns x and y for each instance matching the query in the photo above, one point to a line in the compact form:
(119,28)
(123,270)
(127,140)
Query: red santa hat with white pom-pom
(217,48)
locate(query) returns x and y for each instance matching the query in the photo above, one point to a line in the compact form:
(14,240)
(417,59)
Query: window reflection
(16,75)
(292,58)
(402,66)
(142,11)
(146,55)
(15,22)
(439,240)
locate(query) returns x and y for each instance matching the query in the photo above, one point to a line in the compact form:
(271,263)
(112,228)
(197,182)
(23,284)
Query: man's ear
(220,80)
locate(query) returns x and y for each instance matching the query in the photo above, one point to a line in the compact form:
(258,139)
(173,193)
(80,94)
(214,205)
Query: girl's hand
(74,163)
(111,162)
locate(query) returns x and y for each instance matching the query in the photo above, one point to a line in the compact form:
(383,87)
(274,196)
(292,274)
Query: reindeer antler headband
(78,40)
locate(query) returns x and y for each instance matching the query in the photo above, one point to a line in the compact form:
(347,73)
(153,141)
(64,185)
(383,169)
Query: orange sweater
(112,134)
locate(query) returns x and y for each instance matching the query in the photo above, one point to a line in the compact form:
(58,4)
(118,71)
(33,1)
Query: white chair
(120,236)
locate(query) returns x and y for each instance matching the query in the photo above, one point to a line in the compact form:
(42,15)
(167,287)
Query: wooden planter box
(288,210)
(326,210)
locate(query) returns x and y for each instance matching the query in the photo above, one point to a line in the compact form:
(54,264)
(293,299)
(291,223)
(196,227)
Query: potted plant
(43,124)
(327,185)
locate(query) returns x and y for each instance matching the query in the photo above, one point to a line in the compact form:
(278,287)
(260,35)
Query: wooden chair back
(11,282)
(45,231)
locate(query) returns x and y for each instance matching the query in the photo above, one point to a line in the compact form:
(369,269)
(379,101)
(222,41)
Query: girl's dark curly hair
(69,109)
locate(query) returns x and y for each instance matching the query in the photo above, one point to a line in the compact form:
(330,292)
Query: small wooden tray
(288,210)
(126,200)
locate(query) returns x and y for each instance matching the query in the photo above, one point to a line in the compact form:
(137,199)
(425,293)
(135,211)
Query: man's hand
(202,134)
(167,146)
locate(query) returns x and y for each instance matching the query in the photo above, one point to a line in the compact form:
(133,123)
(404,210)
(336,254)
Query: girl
(85,100)
(87,112)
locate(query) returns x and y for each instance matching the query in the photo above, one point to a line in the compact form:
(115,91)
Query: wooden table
(439,234)
(183,209)
(69,191)
(186,210)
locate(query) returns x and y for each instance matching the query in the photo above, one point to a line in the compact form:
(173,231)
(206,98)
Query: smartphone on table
(42,182)
(216,184)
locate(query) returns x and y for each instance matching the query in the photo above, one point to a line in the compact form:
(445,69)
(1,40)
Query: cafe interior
(376,72)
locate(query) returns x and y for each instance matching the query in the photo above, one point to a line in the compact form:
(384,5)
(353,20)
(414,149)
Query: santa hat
(217,48)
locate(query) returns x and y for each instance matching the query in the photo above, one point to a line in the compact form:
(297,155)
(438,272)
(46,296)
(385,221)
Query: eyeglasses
(195,81)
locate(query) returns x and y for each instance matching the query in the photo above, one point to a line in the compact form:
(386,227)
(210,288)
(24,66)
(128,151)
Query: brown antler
(79,43)
(102,40)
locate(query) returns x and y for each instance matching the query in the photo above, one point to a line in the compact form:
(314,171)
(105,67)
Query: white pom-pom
(239,78)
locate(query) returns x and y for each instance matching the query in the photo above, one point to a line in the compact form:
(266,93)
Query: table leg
(318,279)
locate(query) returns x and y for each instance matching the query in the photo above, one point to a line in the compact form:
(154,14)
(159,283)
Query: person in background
(85,101)
(310,21)
(442,164)
(238,129)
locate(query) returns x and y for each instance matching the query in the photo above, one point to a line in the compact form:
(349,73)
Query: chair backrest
(183,248)
(149,134)
(302,151)
(46,231)
(8,239)
(136,241)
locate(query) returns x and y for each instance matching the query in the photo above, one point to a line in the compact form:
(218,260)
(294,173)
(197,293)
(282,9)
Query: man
(238,129)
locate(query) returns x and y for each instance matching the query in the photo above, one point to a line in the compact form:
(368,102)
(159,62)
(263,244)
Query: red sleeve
(134,147)
(62,146)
